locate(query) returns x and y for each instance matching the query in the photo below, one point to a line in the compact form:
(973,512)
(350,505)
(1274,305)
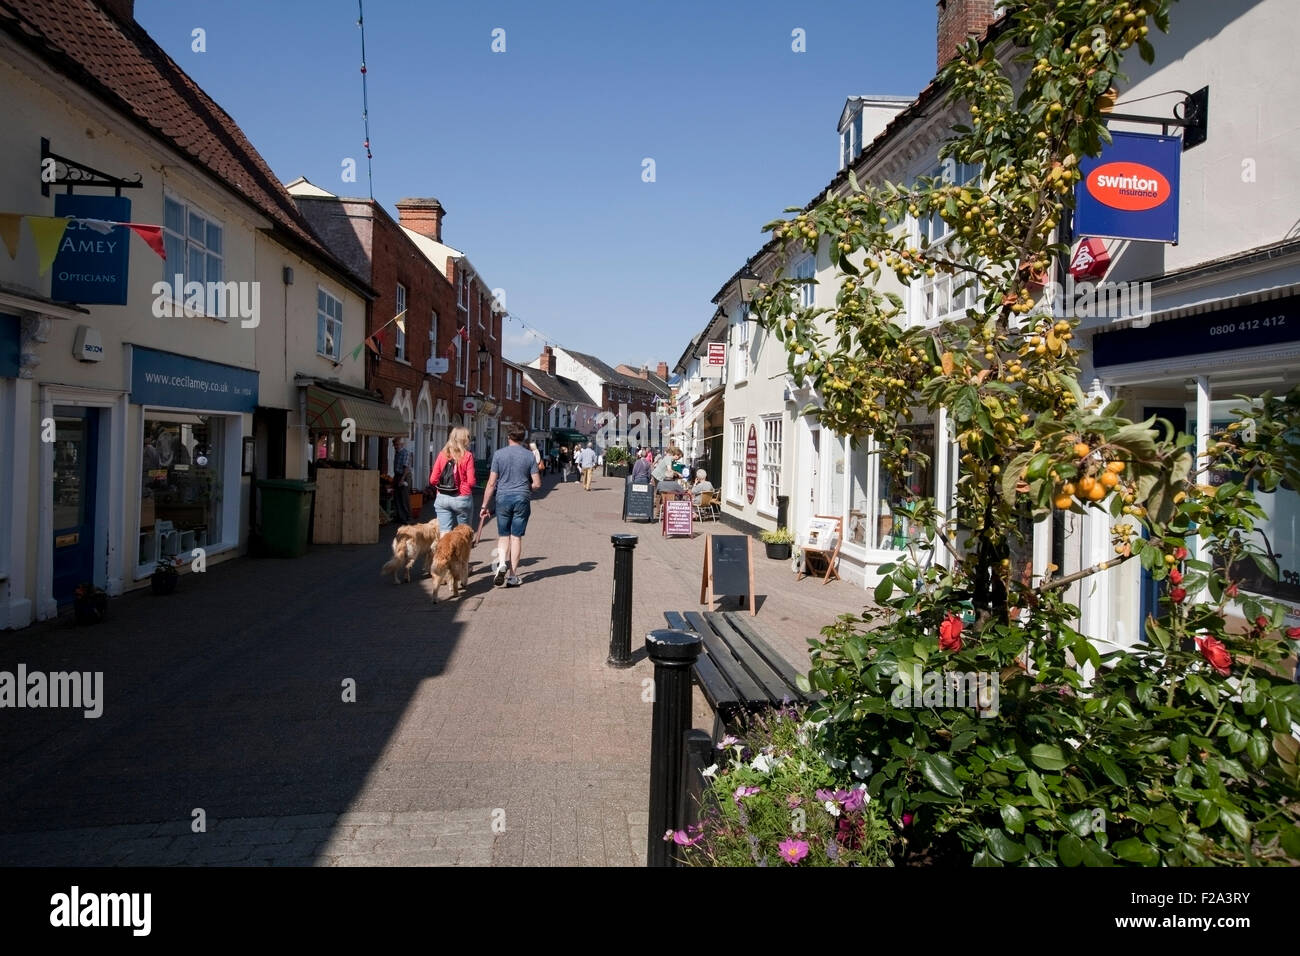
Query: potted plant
(778,543)
(90,604)
(164,577)
(616,462)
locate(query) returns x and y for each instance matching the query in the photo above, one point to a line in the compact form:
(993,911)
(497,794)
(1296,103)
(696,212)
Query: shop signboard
(1130,191)
(167,380)
(1259,323)
(751,465)
(94,260)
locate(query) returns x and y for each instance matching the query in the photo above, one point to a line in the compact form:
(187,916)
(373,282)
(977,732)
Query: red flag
(464,333)
(152,235)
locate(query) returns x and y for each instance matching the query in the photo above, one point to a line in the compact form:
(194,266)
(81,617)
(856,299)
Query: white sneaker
(499,575)
(512,581)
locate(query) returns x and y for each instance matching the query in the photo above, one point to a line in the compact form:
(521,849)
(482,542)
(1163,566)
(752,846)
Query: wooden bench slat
(775,686)
(748,689)
(774,658)
(718,691)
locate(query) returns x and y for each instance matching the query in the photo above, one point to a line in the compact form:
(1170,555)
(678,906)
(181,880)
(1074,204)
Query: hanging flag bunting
(401,321)
(373,342)
(464,332)
(357,351)
(101,226)
(152,235)
(10,224)
(48,232)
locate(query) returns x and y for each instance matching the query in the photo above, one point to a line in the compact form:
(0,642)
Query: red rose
(1176,576)
(1230,590)
(1293,633)
(950,633)
(1180,554)
(1261,622)
(1177,595)
(1212,650)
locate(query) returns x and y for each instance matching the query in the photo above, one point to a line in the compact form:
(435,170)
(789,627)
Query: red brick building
(400,357)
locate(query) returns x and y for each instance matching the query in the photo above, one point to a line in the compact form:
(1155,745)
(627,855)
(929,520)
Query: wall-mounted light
(747,284)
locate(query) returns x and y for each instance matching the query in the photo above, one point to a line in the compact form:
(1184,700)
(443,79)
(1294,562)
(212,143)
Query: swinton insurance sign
(1130,191)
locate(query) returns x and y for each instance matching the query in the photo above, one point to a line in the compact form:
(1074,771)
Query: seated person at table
(702,485)
(641,469)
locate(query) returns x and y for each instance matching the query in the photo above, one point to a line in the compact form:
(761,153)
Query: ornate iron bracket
(76,174)
(1191,115)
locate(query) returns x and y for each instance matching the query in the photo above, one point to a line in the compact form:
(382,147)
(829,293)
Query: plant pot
(617,471)
(164,583)
(417,503)
(90,610)
(778,552)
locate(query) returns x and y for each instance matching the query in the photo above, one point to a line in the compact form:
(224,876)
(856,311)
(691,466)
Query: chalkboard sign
(728,568)
(638,501)
(678,515)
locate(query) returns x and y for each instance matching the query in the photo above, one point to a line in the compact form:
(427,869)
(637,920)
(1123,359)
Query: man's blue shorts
(512,515)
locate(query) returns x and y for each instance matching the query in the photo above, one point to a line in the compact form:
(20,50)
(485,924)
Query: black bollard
(673,653)
(620,610)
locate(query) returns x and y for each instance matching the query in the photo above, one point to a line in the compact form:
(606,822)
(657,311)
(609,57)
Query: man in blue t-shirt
(513,479)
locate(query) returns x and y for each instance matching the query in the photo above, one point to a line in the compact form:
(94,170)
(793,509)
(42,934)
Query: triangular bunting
(357,351)
(401,321)
(152,235)
(10,224)
(101,226)
(48,233)
(371,343)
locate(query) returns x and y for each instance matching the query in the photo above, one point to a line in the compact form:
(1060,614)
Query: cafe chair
(706,508)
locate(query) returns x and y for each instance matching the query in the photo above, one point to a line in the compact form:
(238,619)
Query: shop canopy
(700,409)
(568,436)
(326,410)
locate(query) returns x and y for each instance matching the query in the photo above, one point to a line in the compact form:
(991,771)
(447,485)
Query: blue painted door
(76,442)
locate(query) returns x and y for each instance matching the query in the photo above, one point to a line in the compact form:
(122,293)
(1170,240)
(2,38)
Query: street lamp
(747,284)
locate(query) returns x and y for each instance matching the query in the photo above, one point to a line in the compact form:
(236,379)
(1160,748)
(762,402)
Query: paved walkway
(484,730)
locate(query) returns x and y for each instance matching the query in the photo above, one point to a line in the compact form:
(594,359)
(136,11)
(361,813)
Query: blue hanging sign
(92,264)
(1130,191)
(10,346)
(179,381)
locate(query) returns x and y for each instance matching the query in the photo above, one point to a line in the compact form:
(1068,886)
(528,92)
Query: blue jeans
(512,515)
(452,511)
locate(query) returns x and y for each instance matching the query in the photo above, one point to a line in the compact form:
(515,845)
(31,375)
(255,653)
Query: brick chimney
(961,19)
(123,10)
(662,370)
(423,216)
(547,361)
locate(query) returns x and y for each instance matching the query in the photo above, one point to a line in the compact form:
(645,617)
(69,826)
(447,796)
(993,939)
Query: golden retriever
(451,559)
(410,543)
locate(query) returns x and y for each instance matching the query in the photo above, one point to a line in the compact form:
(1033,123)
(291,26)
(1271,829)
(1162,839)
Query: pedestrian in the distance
(641,469)
(587,462)
(453,477)
(402,481)
(566,461)
(513,480)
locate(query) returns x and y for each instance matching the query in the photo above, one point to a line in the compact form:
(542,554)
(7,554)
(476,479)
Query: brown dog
(410,543)
(451,559)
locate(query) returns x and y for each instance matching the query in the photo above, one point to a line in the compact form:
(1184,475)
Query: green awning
(326,411)
(568,436)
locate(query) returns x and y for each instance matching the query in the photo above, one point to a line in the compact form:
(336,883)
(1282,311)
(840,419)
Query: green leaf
(1257,749)
(1003,847)
(1037,789)
(1178,749)
(1236,824)
(1135,851)
(1113,770)
(1291,841)
(884,589)
(937,771)
(1013,819)
(1048,757)
(1207,813)
(1070,850)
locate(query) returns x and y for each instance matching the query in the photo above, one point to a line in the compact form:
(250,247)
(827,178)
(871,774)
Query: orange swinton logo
(1129,186)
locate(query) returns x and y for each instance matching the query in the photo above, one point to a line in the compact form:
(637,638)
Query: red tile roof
(121,64)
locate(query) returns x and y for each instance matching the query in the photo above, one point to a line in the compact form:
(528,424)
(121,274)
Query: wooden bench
(739,672)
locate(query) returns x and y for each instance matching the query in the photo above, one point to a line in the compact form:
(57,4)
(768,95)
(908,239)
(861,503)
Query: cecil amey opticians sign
(1130,191)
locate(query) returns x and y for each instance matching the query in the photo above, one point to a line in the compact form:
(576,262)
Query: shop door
(1150,590)
(76,440)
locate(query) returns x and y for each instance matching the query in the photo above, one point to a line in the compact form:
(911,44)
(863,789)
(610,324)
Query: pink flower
(1293,633)
(792,851)
(907,819)
(1230,590)
(950,633)
(743,791)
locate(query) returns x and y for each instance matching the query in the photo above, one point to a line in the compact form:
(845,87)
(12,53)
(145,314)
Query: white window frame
(459,345)
(740,336)
(933,297)
(433,340)
(169,266)
(806,268)
(736,484)
(324,316)
(399,347)
(771,450)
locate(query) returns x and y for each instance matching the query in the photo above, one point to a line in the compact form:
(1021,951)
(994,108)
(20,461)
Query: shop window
(329,325)
(180,485)
(857,528)
(893,529)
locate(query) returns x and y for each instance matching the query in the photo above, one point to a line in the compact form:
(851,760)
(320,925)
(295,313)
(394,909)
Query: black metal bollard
(620,609)
(673,653)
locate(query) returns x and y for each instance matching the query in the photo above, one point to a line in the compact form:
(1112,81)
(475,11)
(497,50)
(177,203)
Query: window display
(892,528)
(180,486)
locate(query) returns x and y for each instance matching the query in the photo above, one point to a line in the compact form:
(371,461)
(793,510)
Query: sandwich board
(728,569)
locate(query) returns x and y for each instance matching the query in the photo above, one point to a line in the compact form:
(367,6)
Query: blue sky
(537,152)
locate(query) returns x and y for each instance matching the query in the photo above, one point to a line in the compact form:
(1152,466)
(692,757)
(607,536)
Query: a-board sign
(728,569)
(678,515)
(638,501)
